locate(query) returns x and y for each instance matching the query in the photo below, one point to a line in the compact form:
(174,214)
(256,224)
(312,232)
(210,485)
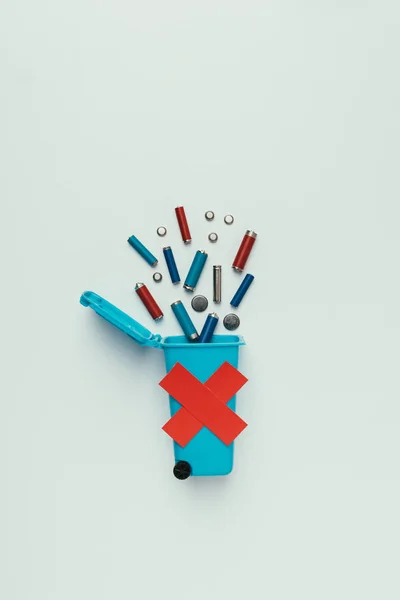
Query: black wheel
(182,469)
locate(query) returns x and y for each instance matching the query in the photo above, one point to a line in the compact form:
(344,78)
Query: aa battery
(171,264)
(149,302)
(242,289)
(184,321)
(217,281)
(244,250)
(195,270)
(142,250)
(208,328)
(183,224)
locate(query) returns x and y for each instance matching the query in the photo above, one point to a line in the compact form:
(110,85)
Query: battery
(208,328)
(184,321)
(217,279)
(244,250)
(149,302)
(157,277)
(242,289)
(183,224)
(195,270)
(199,303)
(171,264)
(142,250)
(231,322)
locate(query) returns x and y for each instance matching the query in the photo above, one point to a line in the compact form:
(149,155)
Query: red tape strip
(203,404)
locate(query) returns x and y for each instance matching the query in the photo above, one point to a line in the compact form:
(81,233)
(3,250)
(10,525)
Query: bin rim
(236,340)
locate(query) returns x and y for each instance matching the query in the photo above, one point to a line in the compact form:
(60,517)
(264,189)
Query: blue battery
(171,264)
(142,250)
(208,328)
(242,289)
(184,321)
(195,270)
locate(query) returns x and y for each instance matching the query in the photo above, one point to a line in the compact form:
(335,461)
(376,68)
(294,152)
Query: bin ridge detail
(203,404)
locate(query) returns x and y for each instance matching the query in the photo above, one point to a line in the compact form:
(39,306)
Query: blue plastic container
(205,453)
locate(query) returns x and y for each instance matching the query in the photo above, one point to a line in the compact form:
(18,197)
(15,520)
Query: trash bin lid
(121,320)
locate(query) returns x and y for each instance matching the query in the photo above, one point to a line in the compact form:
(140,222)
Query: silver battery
(231,322)
(217,280)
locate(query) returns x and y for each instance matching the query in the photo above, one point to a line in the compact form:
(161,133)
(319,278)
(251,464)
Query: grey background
(287,115)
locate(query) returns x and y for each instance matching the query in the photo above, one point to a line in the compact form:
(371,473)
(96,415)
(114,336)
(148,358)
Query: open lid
(119,319)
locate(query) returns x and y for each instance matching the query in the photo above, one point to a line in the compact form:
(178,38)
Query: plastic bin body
(205,453)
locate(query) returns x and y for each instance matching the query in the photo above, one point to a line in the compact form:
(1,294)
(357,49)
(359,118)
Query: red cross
(203,404)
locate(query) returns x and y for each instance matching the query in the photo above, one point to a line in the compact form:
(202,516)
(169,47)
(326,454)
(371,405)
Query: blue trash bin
(206,454)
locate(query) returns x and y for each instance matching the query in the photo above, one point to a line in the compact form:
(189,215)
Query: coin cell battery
(231,322)
(199,303)
(157,277)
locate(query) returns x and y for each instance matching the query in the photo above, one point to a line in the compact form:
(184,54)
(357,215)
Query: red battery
(244,250)
(149,302)
(183,224)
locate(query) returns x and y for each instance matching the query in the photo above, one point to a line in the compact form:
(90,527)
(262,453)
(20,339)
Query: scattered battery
(184,321)
(231,322)
(142,250)
(157,277)
(195,270)
(209,215)
(162,231)
(242,289)
(183,224)
(217,281)
(199,303)
(208,328)
(149,302)
(228,219)
(171,264)
(244,250)
(212,237)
